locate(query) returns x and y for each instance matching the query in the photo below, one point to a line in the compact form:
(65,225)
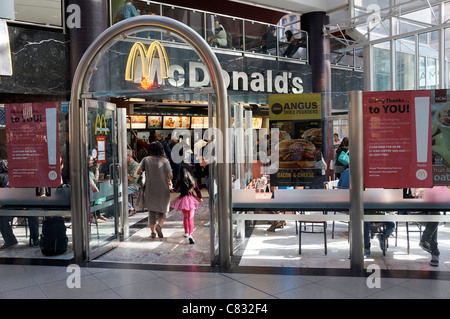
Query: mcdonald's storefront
(146,71)
(156,68)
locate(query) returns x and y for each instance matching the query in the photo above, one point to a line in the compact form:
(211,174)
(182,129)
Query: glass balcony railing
(230,33)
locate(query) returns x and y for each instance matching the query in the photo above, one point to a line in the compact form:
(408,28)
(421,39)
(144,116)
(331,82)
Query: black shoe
(6,246)
(34,242)
(159,231)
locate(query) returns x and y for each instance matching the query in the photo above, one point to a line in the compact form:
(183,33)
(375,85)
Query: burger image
(284,135)
(314,135)
(297,153)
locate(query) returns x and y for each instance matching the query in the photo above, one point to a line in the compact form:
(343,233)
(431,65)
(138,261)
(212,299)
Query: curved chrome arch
(223,169)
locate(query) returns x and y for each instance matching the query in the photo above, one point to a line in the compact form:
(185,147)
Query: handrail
(243,35)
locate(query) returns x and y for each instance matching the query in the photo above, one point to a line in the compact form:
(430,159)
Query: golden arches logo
(100,124)
(147,62)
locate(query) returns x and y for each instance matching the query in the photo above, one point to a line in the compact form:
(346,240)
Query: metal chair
(321,224)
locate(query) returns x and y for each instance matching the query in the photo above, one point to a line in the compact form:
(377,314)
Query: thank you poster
(397,139)
(32,138)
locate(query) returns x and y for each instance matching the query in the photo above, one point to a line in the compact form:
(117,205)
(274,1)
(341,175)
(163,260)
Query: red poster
(397,139)
(32,142)
(101,149)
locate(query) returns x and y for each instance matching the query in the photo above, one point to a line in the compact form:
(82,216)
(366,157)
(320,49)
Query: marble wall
(40,60)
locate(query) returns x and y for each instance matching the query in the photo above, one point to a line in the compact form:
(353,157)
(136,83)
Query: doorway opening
(150,60)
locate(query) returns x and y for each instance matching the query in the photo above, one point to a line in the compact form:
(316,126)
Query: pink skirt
(187,202)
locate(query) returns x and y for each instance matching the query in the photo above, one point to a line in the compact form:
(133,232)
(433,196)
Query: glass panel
(260,38)
(381,67)
(39,11)
(41,200)
(447,56)
(101,144)
(429,60)
(193,19)
(405,63)
(224,32)
(292,43)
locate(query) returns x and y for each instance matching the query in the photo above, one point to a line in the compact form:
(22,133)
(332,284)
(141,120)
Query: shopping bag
(344,158)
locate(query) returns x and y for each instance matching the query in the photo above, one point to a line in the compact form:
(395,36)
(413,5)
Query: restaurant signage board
(32,141)
(299,120)
(397,139)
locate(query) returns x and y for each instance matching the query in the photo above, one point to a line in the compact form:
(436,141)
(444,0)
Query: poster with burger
(296,153)
(300,139)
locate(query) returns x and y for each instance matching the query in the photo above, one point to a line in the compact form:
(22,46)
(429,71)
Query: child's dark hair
(186,177)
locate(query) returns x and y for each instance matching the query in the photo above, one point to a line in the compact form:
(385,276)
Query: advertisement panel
(299,120)
(32,141)
(397,139)
(440,130)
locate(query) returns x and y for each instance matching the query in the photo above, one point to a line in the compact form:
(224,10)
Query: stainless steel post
(356,182)
(122,145)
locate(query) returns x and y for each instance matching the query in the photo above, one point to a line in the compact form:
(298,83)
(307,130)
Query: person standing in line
(158,176)
(187,202)
(336,141)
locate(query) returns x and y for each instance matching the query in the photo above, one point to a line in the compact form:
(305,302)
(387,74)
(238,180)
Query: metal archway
(223,168)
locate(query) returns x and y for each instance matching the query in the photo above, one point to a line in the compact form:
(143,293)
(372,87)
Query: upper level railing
(231,33)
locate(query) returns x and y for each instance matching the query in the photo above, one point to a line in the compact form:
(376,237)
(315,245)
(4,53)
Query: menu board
(172,122)
(256,122)
(154,122)
(137,122)
(199,122)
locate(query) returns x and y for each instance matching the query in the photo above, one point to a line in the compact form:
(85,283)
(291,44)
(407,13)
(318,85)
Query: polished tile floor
(52,282)
(138,269)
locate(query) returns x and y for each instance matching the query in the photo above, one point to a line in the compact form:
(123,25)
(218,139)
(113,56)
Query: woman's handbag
(344,158)
(141,180)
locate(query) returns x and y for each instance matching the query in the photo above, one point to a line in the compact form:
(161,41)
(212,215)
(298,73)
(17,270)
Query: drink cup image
(442,120)
(441,144)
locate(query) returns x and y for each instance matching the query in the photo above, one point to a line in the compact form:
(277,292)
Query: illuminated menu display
(172,122)
(154,122)
(137,122)
(199,122)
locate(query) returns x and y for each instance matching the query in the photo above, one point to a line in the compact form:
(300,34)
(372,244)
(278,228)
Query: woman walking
(158,177)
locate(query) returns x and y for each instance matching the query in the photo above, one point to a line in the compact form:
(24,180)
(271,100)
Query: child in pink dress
(187,202)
